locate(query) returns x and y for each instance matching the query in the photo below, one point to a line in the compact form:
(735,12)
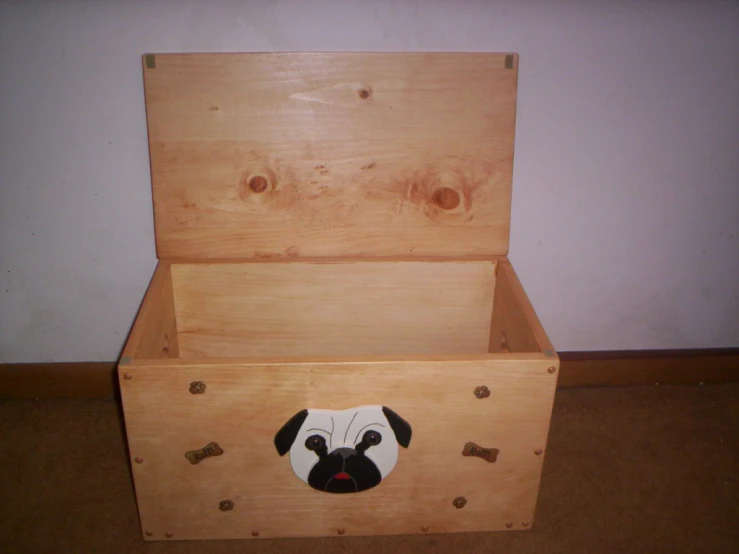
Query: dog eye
(315,442)
(372,438)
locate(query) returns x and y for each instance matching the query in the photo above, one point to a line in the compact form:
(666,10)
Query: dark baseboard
(578,369)
(58,380)
(649,367)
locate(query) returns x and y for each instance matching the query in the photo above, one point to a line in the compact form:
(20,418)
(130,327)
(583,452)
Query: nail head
(551,369)
(255,533)
(538,452)
(425,528)
(138,460)
(341,531)
(509,525)
(197,387)
(525,524)
(482,392)
(459,502)
(149,533)
(127,376)
(168,535)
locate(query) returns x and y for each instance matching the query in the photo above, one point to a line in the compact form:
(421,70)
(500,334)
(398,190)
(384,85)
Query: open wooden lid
(313,154)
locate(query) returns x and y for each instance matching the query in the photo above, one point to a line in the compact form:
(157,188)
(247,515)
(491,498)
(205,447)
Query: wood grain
(300,155)
(577,369)
(154,333)
(245,405)
(515,326)
(339,308)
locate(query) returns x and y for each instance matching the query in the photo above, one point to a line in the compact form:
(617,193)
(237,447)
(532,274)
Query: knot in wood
(446,198)
(258,184)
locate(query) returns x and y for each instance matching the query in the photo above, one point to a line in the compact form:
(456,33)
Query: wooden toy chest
(334,341)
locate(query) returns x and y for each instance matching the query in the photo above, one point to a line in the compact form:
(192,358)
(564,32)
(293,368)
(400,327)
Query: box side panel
(331,154)
(343,308)
(515,326)
(471,464)
(154,332)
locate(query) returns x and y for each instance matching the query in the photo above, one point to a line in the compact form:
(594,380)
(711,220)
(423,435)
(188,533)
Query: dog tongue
(342,476)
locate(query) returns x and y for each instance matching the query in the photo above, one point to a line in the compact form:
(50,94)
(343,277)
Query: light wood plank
(353,308)
(346,360)
(577,369)
(154,333)
(343,259)
(244,405)
(299,155)
(515,327)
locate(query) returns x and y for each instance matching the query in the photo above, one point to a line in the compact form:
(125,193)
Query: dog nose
(344,452)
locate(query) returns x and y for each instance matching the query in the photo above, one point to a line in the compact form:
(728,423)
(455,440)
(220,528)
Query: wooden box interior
(334,308)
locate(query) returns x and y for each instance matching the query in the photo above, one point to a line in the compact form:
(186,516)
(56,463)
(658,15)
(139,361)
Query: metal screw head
(226,505)
(138,460)
(551,369)
(482,392)
(255,533)
(425,528)
(168,535)
(197,387)
(509,525)
(341,531)
(538,452)
(127,376)
(459,502)
(149,533)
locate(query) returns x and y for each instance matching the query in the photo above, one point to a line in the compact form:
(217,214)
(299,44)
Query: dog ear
(286,435)
(400,427)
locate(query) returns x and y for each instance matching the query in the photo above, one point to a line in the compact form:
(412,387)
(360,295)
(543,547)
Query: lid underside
(307,155)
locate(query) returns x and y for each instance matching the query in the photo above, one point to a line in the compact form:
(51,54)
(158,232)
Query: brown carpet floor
(636,470)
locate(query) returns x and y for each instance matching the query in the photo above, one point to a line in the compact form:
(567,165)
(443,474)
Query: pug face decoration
(343,451)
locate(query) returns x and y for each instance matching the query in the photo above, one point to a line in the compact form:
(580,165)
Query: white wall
(626,187)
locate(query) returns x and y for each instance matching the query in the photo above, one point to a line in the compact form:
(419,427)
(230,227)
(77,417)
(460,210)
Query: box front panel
(348,448)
